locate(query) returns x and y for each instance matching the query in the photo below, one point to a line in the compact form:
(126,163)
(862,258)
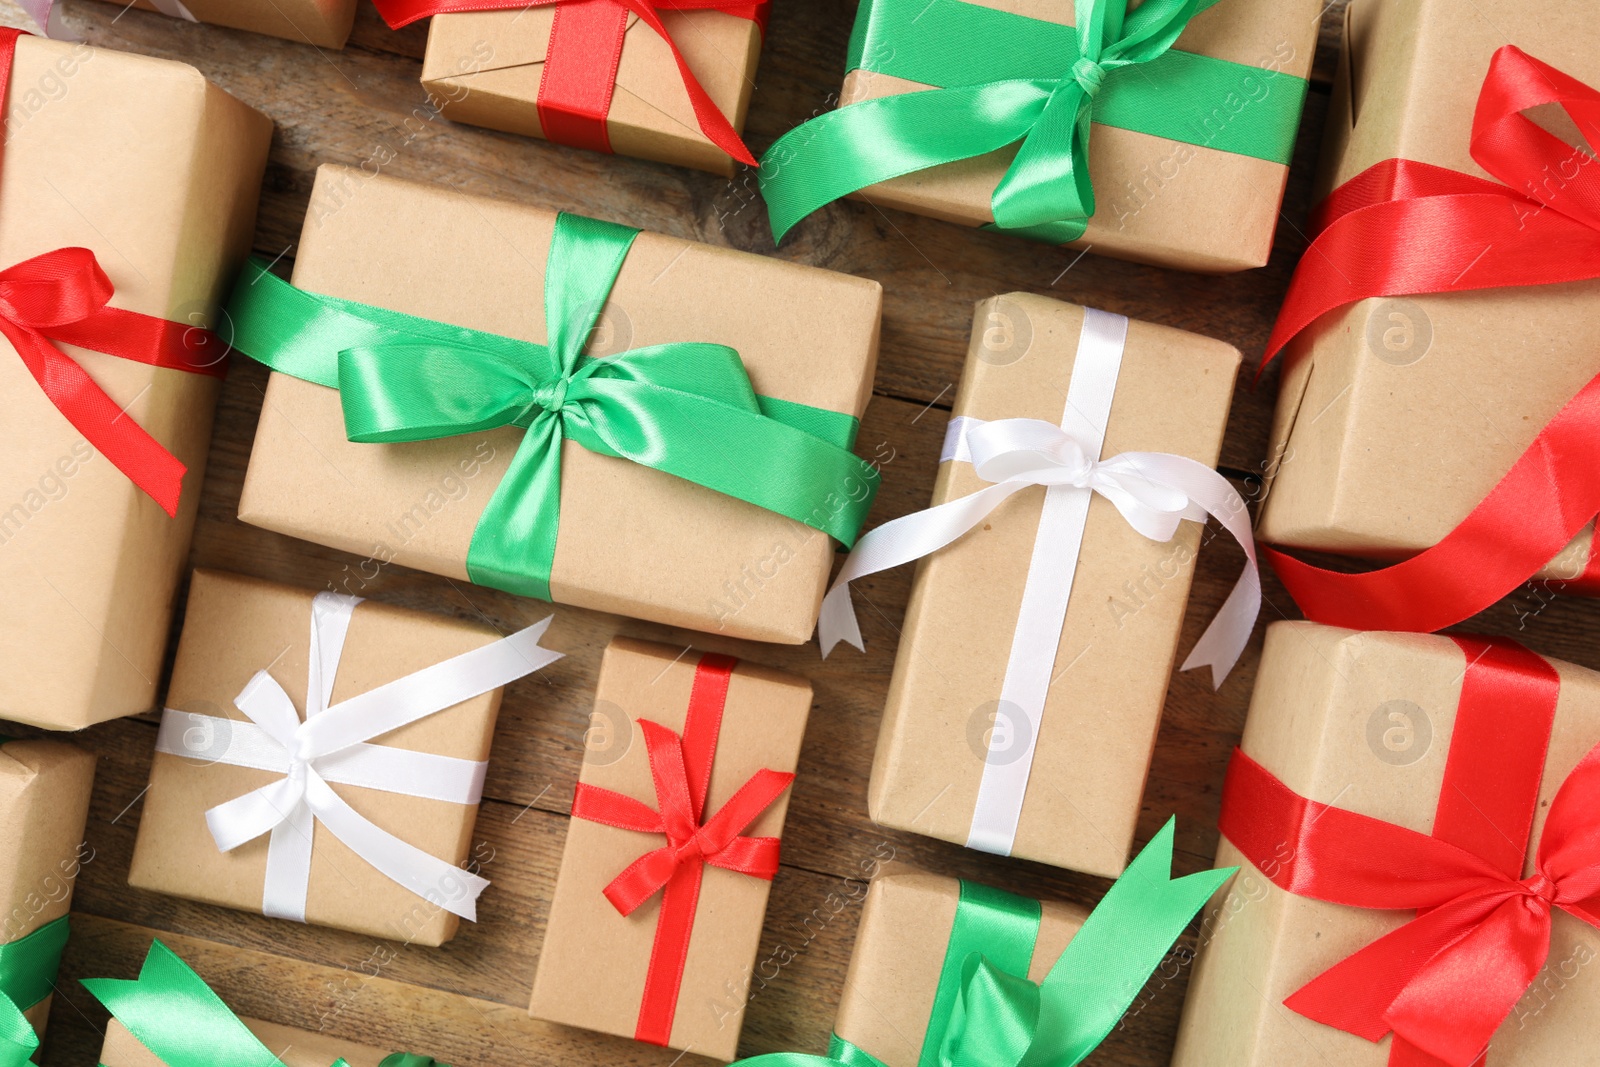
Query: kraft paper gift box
(595,962)
(1126,607)
(157,172)
(324,23)
(210,753)
(1396,416)
(1177,199)
(489,68)
(630,540)
(44,804)
(1373,723)
(292,1047)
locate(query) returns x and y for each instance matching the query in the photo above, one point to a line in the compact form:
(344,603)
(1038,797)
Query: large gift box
(321,758)
(44,803)
(324,23)
(1147,135)
(1440,319)
(674,446)
(1413,816)
(673,86)
(132,180)
(658,907)
(1037,646)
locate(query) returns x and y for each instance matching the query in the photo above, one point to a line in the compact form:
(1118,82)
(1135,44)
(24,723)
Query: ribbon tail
(841,1053)
(18,1042)
(287,882)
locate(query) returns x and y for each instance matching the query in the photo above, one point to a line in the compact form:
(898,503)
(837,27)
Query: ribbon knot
(551,396)
(1089,75)
(1543,888)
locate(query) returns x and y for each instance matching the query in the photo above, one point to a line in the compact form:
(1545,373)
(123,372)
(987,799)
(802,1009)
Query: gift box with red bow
(324,23)
(1414,817)
(127,201)
(657,912)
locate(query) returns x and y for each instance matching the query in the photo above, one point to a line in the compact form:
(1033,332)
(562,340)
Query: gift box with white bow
(321,758)
(1043,625)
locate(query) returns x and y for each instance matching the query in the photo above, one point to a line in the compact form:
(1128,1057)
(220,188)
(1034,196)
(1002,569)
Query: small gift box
(1161,134)
(44,803)
(324,23)
(321,758)
(1438,329)
(1042,627)
(647,937)
(128,193)
(1414,819)
(947,971)
(561,407)
(156,1017)
(669,80)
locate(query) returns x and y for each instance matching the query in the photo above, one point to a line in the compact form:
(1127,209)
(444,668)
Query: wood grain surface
(465,1003)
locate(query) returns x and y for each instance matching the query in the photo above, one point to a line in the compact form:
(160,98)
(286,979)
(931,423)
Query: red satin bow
(1444,982)
(681,769)
(63,296)
(580,72)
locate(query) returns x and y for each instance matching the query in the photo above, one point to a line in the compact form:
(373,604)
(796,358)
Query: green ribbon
(987,1014)
(27,975)
(175,1015)
(1005,79)
(686,408)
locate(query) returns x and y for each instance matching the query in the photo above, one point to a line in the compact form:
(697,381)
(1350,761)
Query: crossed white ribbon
(1154,491)
(331,747)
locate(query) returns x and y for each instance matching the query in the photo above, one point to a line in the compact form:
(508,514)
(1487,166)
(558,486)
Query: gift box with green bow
(1160,134)
(560,407)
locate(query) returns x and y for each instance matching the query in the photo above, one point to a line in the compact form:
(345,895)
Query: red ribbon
(580,71)
(1444,982)
(63,296)
(681,769)
(1404,228)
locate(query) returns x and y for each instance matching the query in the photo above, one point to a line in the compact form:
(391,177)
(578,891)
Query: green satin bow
(1005,79)
(688,409)
(27,975)
(987,1014)
(175,1015)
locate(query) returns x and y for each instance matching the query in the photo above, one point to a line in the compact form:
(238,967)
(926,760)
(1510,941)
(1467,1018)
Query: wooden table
(466,1003)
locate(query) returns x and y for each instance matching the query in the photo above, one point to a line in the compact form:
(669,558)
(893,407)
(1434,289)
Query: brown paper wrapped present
(1438,736)
(221,743)
(493,68)
(44,803)
(611,972)
(324,23)
(949,734)
(631,540)
(1396,416)
(157,172)
(294,1048)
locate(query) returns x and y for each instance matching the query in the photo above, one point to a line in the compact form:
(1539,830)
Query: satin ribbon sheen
(331,747)
(681,770)
(1005,79)
(687,409)
(1154,492)
(1444,982)
(580,69)
(985,1011)
(27,975)
(63,297)
(182,1021)
(1405,228)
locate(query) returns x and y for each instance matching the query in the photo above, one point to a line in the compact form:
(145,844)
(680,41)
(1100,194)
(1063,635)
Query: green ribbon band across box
(561,408)
(27,978)
(996,113)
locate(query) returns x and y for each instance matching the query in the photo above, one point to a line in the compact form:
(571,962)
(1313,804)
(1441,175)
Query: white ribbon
(1154,492)
(331,747)
(47,16)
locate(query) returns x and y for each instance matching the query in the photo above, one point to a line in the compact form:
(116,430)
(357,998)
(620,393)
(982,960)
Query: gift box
(44,797)
(688,453)
(1399,412)
(1027,691)
(1358,747)
(533,70)
(155,1017)
(333,779)
(134,180)
(1193,124)
(324,23)
(646,938)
